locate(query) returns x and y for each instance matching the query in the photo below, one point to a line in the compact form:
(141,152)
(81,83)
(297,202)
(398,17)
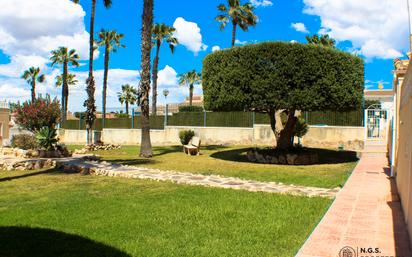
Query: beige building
(403,137)
(4,122)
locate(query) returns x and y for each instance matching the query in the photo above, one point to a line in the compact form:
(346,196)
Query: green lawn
(49,214)
(231,161)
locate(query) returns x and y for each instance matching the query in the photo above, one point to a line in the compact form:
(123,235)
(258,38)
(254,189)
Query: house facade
(4,123)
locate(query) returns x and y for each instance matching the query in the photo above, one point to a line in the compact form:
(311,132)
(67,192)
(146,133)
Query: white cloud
(377,30)
(300,27)
(263,3)
(215,48)
(238,42)
(188,34)
(167,77)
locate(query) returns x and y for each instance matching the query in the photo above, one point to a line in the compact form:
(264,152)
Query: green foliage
(24,141)
(277,75)
(79,114)
(121,115)
(39,113)
(301,128)
(190,108)
(185,136)
(47,138)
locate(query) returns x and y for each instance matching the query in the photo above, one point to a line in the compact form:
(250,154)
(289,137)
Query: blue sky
(377,38)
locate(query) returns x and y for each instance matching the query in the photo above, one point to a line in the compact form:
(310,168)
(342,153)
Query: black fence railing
(222,119)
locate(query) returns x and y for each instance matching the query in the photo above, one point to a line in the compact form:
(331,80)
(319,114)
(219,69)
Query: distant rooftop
(379,92)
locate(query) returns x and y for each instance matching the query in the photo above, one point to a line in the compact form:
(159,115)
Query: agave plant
(47,138)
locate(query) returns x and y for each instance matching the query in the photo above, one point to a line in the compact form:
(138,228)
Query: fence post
(204,118)
(253,119)
(132,118)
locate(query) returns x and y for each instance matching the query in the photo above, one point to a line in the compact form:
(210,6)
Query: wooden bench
(193,147)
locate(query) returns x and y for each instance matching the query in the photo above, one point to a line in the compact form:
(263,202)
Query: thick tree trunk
(147,23)
(90,102)
(234,33)
(154,84)
(283,134)
(33,90)
(191,87)
(105,78)
(285,137)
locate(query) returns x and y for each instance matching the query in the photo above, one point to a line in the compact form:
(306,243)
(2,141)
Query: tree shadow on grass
(132,162)
(28,175)
(39,242)
(326,156)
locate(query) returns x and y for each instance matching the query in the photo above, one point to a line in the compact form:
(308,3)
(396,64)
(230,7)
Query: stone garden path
(83,165)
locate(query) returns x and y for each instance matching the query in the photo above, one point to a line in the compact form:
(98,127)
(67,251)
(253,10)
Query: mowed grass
(49,214)
(232,162)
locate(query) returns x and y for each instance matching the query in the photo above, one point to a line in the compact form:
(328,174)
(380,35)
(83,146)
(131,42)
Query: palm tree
(65,57)
(111,41)
(147,23)
(160,32)
(91,87)
(190,79)
(70,81)
(322,40)
(128,96)
(32,75)
(240,15)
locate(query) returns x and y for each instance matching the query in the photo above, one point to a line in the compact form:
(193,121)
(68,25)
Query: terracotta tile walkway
(365,214)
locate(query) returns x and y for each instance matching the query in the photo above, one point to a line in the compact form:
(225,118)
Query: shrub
(301,128)
(190,109)
(42,112)
(275,77)
(185,136)
(47,138)
(24,141)
(121,115)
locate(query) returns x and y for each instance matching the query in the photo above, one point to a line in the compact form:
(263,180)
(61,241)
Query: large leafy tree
(160,32)
(190,79)
(147,24)
(129,95)
(71,81)
(32,75)
(90,103)
(65,57)
(280,79)
(237,14)
(111,41)
(321,40)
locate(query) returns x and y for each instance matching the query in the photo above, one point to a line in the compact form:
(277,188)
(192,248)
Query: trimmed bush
(24,141)
(185,136)
(276,77)
(190,108)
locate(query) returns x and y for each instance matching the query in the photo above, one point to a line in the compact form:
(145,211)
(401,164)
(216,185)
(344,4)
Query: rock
(38,165)
(251,156)
(260,158)
(282,159)
(291,158)
(274,160)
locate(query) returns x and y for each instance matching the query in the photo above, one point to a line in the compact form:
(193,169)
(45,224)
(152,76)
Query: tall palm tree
(128,96)
(147,23)
(190,79)
(111,41)
(32,75)
(160,32)
(70,81)
(65,57)
(322,40)
(240,15)
(90,103)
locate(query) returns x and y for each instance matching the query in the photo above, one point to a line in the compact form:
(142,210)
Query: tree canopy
(277,75)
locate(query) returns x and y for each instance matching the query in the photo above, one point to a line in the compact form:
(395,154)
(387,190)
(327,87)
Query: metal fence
(221,119)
